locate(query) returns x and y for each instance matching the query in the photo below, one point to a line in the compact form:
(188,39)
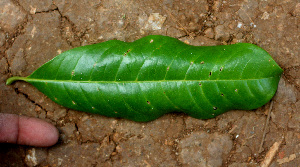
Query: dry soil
(32,32)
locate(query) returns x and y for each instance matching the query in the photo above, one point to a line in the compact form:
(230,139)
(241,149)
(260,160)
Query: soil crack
(28,98)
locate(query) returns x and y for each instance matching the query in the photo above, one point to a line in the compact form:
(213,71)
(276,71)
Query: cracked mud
(33,32)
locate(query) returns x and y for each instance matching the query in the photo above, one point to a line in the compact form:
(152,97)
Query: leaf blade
(155,75)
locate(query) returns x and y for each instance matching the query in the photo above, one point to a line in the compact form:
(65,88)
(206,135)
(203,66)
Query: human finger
(27,131)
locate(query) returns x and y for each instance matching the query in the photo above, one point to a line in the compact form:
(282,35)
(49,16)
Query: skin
(27,131)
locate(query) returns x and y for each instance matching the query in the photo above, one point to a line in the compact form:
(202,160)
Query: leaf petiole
(13,79)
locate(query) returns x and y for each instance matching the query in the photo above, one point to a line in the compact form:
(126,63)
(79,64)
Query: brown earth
(33,32)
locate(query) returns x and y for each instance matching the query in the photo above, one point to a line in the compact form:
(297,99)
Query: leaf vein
(76,66)
(84,95)
(97,61)
(59,67)
(144,95)
(244,68)
(168,97)
(126,104)
(174,59)
(204,96)
(105,100)
(192,97)
(66,90)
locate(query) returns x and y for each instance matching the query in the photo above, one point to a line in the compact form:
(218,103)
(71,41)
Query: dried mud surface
(33,32)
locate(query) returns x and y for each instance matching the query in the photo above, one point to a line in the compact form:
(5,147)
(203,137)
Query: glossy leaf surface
(155,75)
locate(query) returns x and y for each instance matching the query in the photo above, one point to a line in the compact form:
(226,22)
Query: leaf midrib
(76,81)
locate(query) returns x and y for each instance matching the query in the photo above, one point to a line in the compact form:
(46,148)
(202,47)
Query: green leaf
(156,75)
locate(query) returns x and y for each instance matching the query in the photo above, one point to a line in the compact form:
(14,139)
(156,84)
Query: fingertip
(36,132)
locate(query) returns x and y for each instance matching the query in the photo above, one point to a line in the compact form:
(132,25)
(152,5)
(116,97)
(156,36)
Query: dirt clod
(195,151)
(11,15)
